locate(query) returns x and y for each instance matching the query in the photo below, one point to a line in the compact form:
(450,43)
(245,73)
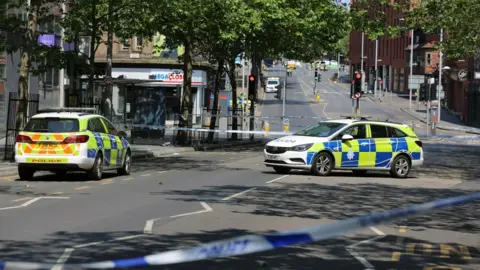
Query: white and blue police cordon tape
(257,243)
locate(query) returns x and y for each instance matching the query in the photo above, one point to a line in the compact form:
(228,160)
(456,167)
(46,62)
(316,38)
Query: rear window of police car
(52,125)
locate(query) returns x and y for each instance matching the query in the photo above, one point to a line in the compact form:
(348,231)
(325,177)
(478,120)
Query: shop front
(158,103)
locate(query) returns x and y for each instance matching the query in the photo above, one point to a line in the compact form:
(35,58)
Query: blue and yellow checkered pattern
(366,153)
(113,147)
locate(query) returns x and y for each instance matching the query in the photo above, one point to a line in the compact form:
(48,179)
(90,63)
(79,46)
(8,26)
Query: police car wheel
(282,170)
(25,173)
(127,164)
(400,167)
(97,170)
(323,164)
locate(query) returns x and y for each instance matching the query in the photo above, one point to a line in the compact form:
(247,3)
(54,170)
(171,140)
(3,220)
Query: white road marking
(303,89)
(68,251)
(237,194)
(148,174)
(377,231)
(149,224)
(276,179)
(362,260)
(25,204)
(63,258)
(127,179)
(89,244)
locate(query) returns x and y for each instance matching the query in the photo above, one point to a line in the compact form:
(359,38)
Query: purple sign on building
(47,40)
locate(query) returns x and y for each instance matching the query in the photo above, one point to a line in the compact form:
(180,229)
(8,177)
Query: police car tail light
(23,139)
(419,143)
(76,139)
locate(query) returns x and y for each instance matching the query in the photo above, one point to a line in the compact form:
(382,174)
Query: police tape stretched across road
(257,243)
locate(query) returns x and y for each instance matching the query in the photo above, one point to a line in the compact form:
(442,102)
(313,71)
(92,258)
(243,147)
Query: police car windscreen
(54,125)
(322,129)
(272,82)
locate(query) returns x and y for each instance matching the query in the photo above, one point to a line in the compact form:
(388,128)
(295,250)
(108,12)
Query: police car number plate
(271,157)
(47,160)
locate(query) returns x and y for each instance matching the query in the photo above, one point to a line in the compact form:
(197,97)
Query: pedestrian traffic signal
(357,84)
(316,74)
(252,87)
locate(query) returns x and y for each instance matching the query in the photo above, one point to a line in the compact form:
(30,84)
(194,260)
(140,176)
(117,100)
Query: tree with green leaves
(221,45)
(459,20)
(35,58)
(184,23)
(368,16)
(91,18)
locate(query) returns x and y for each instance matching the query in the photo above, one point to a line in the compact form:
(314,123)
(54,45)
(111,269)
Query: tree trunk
(186,107)
(91,58)
(216,91)
(233,83)
(25,63)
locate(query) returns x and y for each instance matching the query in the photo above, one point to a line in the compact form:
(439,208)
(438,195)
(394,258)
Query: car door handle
(364,144)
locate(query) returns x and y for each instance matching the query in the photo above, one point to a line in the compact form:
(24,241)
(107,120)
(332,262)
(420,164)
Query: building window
(429,59)
(125,44)
(139,42)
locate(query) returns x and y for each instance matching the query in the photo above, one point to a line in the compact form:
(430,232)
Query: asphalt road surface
(196,197)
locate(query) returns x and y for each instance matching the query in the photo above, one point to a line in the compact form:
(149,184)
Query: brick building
(461,82)
(394,56)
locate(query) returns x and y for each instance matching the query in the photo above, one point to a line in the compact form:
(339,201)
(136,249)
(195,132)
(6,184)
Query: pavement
(194,197)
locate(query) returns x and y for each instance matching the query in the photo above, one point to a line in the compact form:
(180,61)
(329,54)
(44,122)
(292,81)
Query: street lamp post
(410,95)
(440,86)
(411,71)
(376,68)
(338,63)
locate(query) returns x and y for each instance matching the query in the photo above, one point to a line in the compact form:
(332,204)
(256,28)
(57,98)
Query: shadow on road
(336,202)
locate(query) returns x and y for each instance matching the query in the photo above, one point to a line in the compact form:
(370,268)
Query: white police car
(347,144)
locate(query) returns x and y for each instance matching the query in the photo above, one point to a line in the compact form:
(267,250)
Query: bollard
(317,97)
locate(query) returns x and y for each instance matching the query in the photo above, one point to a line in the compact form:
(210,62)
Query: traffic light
(316,74)
(252,87)
(319,77)
(357,84)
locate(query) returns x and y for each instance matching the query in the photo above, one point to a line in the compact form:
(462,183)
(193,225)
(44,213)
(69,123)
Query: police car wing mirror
(346,137)
(122,134)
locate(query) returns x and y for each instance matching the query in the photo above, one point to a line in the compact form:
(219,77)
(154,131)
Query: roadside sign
(108,79)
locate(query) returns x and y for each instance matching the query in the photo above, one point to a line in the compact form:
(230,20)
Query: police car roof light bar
(69,109)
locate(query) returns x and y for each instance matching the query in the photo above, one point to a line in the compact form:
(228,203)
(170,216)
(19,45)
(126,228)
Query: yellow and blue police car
(70,139)
(353,144)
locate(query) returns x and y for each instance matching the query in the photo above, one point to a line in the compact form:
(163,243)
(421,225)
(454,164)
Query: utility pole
(108,70)
(411,71)
(284,93)
(338,63)
(61,72)
(375,80)
(440,86)
(354,110)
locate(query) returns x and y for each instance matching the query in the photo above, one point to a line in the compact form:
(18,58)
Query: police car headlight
(302,147)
